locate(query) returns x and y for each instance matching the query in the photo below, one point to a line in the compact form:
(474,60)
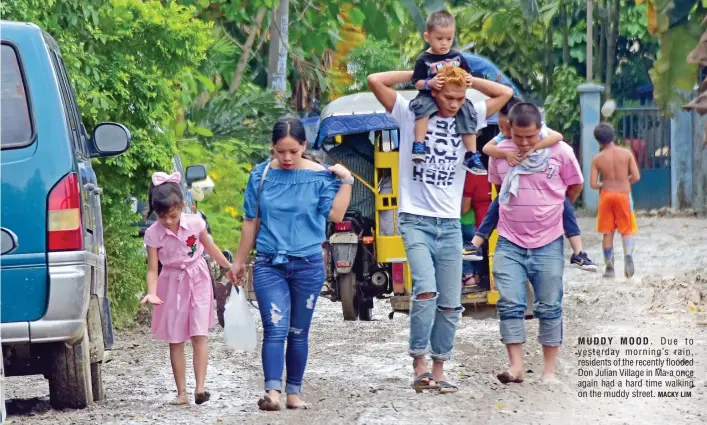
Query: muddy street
(360,373)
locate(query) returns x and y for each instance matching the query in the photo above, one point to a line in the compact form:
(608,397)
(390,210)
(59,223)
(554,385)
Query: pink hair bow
(159,177)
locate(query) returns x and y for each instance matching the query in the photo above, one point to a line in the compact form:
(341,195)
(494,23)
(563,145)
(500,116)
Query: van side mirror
(109,139)
(195,173)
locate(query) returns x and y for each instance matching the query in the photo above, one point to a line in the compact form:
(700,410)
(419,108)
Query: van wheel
(96,348)
(347,294)
(70,375)
(97,381)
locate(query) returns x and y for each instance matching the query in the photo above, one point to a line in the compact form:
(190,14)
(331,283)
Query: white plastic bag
(239,331)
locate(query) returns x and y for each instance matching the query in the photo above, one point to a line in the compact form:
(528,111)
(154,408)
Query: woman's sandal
(267,404)
(507,378)
(423,382)
(201,398)
(446,388)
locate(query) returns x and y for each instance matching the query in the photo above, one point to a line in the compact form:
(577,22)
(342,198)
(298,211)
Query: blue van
(53,302)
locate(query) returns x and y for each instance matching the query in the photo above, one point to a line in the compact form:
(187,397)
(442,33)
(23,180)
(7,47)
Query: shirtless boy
(618,169)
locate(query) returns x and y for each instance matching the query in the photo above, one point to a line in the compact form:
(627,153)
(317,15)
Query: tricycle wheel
(365,310)
(347,294)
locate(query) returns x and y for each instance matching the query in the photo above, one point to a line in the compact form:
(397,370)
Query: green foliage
(562,110)
(671,70)
(127,60)
(370,57)
(229,164)
(502,34)
(247,115)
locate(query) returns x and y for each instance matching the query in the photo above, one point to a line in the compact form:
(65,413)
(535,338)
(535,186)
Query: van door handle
(89,187)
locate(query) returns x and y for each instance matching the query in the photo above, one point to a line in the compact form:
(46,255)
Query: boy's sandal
(201,398)
(423,382)
(446,388)
(507,378)
(267,404)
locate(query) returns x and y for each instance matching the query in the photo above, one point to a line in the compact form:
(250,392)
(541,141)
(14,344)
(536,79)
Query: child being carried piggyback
(440,37)
(182,294)
(548,138)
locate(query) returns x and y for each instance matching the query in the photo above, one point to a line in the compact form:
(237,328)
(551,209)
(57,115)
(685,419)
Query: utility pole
(277,55)
(590,41)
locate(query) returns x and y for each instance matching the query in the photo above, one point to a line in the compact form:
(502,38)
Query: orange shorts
(615,213)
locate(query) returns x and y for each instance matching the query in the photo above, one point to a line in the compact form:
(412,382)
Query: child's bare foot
(202,397)
(180,400)
(549,378)
(294,402)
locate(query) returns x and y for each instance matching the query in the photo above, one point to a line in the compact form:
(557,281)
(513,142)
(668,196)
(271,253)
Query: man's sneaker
(475,165)
(471,253)
(418,152)
(628,266)
(581,261)
(609,271)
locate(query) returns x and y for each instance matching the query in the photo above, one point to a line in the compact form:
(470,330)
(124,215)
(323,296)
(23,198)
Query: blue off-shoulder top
(294,206)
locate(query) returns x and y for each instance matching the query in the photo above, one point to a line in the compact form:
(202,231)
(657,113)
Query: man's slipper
(423,382)
(267,404)
(446,388)
(507,378)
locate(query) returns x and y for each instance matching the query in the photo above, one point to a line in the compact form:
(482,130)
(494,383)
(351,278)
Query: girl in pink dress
(182,294)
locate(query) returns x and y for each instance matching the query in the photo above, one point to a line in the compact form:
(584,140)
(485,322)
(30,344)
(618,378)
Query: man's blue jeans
(513,265)
(490,221)
(433,248)
(286,294)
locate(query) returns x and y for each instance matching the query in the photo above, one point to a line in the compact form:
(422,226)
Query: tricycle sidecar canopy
(361,112)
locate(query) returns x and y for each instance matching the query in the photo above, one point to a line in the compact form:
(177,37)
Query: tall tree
(277,58)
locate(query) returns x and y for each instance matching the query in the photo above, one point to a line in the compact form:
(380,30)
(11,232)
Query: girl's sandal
(267,404)
(201,398)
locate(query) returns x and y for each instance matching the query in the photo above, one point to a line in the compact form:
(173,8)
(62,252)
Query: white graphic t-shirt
(433,188)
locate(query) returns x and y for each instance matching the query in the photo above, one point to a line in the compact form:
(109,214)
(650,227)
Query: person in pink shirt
(182,295)
(530,244)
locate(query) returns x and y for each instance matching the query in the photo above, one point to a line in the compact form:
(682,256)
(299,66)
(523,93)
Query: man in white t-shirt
(429,213)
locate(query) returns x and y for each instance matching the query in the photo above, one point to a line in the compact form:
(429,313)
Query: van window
(66,96)
(16,122)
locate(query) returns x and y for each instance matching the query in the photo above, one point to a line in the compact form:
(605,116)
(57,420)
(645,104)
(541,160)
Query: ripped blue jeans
(433,247)
(286,294)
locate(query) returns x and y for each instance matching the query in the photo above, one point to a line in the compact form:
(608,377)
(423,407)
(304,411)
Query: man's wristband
(350,180)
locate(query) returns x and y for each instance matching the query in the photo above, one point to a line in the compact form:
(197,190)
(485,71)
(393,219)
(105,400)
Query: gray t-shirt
(433,188)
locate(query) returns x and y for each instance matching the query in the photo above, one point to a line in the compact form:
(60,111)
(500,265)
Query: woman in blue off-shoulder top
(287,203)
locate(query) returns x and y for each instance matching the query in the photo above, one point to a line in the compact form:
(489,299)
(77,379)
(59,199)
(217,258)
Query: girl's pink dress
(184,283)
